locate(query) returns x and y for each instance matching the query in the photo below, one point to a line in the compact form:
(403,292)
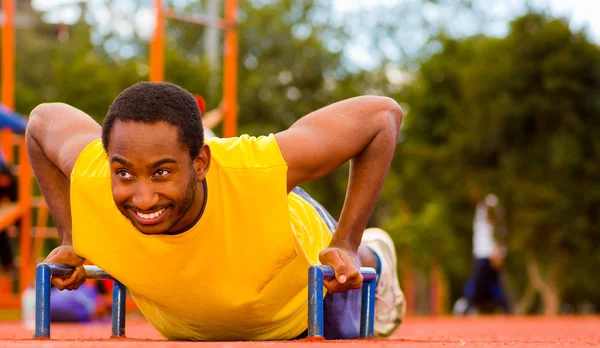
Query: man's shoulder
(246,152)
(92,162)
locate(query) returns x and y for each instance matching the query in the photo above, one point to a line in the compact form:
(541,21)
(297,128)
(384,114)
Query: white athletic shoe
(390,306)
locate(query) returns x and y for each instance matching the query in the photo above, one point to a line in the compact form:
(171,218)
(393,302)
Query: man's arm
(363,130)
(56,134)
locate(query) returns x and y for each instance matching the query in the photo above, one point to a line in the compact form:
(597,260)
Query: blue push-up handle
(45,272)
(316,275)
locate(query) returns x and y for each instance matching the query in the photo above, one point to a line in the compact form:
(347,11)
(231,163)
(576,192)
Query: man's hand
(346,264)
(65,254)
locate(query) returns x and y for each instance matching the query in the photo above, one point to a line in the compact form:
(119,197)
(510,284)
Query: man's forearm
(54,185)
(367,174)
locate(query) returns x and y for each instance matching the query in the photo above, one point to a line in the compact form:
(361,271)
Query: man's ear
(202,162)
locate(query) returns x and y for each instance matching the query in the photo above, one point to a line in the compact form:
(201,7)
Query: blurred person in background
(8,183)
(210,119)
(484,290)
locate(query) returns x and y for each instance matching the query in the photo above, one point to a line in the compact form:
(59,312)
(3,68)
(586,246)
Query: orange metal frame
(8,72)
(23,209)
(230,56)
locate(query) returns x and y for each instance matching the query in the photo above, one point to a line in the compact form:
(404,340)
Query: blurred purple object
(73,306)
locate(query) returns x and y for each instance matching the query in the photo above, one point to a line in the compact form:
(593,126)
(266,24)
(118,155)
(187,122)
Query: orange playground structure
(32,210)
(230,54)
(23,210)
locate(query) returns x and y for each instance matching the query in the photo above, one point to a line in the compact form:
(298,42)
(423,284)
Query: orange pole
(8,70)
(7,144)
(435,303)
(8,53)
(157,45)
(408,284)
(230,70)
(25,180)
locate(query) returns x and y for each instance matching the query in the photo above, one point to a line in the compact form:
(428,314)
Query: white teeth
(153,215)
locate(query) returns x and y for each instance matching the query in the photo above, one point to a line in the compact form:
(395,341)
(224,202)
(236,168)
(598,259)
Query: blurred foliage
(517,116)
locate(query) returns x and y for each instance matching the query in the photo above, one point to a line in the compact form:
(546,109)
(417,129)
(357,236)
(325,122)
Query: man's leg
(480,285)
(470,287)
(483,283)
(465,303)
(75,306)
(341,315)
(368,258)
(499,294)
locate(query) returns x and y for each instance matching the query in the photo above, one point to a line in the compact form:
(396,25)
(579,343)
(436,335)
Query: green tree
(515,116)
(74,71)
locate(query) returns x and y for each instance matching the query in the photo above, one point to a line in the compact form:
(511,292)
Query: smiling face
(154,179)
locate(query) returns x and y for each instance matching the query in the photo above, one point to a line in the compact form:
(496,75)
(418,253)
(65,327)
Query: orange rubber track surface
(496,331)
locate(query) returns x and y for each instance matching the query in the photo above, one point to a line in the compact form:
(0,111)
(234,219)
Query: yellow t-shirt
(240,273)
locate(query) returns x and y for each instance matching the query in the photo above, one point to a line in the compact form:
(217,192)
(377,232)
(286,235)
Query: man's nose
(144,197)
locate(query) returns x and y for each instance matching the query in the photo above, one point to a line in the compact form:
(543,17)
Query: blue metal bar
(42,301)
(65,271)
(316,275)
(315,301)
(118,309)
(44,273)
(367,313)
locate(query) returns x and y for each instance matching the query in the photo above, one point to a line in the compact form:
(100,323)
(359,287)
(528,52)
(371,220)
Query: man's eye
(123,174)
(161,172)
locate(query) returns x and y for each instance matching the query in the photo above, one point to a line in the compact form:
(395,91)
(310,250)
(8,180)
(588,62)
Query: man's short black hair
(151,102)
